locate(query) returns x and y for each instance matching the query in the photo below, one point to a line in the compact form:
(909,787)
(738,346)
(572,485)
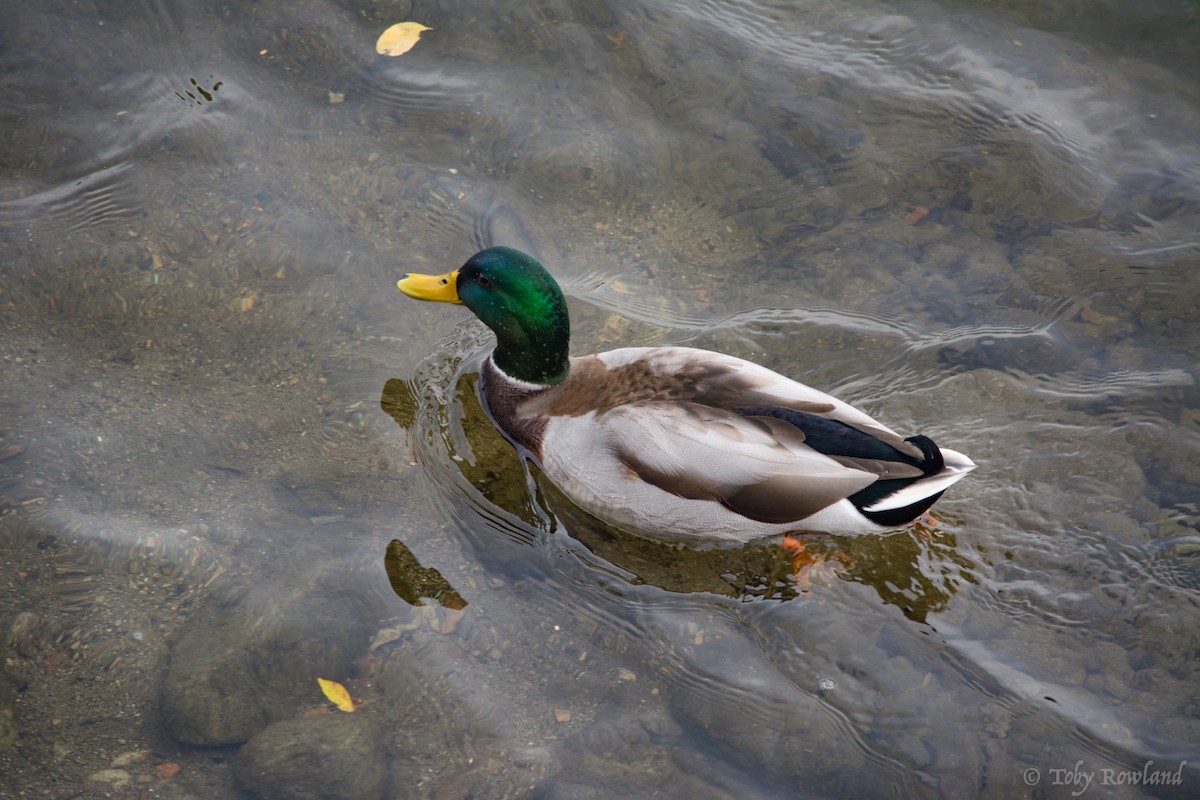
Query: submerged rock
(323,757)
(249,659)
(786,737)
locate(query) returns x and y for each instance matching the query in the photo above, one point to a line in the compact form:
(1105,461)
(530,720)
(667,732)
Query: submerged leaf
(337,694)
(400,38)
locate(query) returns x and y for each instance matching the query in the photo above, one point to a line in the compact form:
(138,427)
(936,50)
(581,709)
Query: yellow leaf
(337,694)
(400,38)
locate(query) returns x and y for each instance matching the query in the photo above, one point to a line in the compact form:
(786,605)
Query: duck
(680,444)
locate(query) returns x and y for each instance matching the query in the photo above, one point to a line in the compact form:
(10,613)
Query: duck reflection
(414,583)
(917,571)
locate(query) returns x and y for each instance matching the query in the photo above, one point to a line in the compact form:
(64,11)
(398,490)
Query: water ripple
(95,200)
(425,96)
(981,100)
(1077,714)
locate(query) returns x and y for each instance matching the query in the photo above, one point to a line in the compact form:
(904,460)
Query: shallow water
(232,458)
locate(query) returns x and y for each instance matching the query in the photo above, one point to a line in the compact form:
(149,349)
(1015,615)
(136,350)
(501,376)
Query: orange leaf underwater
(338,695)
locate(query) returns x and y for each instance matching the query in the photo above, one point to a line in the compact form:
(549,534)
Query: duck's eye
(483,281)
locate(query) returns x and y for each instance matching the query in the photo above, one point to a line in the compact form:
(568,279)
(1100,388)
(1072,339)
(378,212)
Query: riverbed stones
(8,711)
(321,757)
(254,656)
(771,730)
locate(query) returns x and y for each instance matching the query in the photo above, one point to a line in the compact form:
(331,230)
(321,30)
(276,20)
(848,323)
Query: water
(232,458)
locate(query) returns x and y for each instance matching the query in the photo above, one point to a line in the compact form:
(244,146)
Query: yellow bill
(438,288)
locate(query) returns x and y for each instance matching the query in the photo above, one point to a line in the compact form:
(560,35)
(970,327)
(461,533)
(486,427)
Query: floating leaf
(400,38)
(337,694)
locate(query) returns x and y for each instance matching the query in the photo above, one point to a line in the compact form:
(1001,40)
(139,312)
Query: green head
(514,296)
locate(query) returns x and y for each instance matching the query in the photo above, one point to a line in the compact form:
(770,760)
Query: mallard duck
(680,444)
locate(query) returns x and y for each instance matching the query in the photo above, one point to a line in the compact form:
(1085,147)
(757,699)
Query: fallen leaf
(400,38)
(337,695)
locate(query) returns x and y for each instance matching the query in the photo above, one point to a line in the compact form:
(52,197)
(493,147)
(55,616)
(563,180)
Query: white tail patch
(957,465)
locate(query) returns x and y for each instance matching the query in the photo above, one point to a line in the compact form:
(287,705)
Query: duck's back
(690,445)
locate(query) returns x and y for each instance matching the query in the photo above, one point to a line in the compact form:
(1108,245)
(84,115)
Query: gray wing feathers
(759,467)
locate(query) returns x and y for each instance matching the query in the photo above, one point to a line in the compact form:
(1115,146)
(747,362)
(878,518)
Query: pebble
(130,758)
(23,634)
(118,778)
(217,695)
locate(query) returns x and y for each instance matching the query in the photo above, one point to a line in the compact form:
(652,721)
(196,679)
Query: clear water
(978,221)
